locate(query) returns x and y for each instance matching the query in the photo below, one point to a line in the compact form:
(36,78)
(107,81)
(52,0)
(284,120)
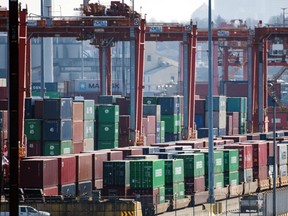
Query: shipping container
(152,109)
(147,174)
(200,105)
(129,151)
(53,148)
(260,172)
(33,129)
(108,113)
(107,99)
(34,148)
(174,171)
(88,129)
(42,173)
(38,109)
(260,154)
(218,161)
(204,132)
(231,178)
(57,108)
(88,144)
(29,109)
(78,111)
(54,130)
(219,103)
(3,119)
(170,105)
(218,180)
(245,155)
(194,164)
(231,159)
(66,169)
(77,130)
(116,173)
(149,100)
(108,131)
(106,144)
(149,125)
(84,189)
(175,191)
(194,185)
(89,111)
(124,124)
(114,155)
(77,146)
(219,119)
(83,167)
(237,104)
(246,175)
(68,190)
(195,144)
(172,123)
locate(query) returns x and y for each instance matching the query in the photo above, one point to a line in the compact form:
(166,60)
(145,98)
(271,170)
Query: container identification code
(233,159)
(178,171)
(199,165)
(158,172)
(218,162)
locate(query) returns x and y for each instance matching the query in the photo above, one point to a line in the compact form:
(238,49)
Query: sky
(161,10)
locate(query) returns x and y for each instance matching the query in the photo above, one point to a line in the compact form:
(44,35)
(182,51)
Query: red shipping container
(245,155)
(3,92)
(218,142)
(34,148)
(50,191)
(124,105)
(232,89)
(200,106)
(270,148)
(98,158)
(235,122)
(3,104)
(78,147)
(67,169)
(228,141)
(195,144)
(281,121)
(149,125)
(194,185)
(77,111)
(150,139)
(124,140)
(260,154)
(83,167)
(114,155)
(77,131)
(124,124)
(202,89)
(38,109)
(115,191)
(260,173)
(38,173)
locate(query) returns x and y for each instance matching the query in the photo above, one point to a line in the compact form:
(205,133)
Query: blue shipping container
(54,130)
(170,105)
(60,108)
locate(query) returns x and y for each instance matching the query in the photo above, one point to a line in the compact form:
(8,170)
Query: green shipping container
(219,103)
(175,191)
(52,148)
(33,129)
(106,144)
(89,111)
(88,129)
(50,95)
(149,100)
(174,171)
(108,131)
(231,160)
(194,164)
(237,104)
(242,123)
(147,174)
(218,180)
(108,113)
(231,178)
(172,123)
(116,173)
(218,161)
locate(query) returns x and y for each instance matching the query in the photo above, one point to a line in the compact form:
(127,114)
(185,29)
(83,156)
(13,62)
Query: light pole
(283,15)
(274,148)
